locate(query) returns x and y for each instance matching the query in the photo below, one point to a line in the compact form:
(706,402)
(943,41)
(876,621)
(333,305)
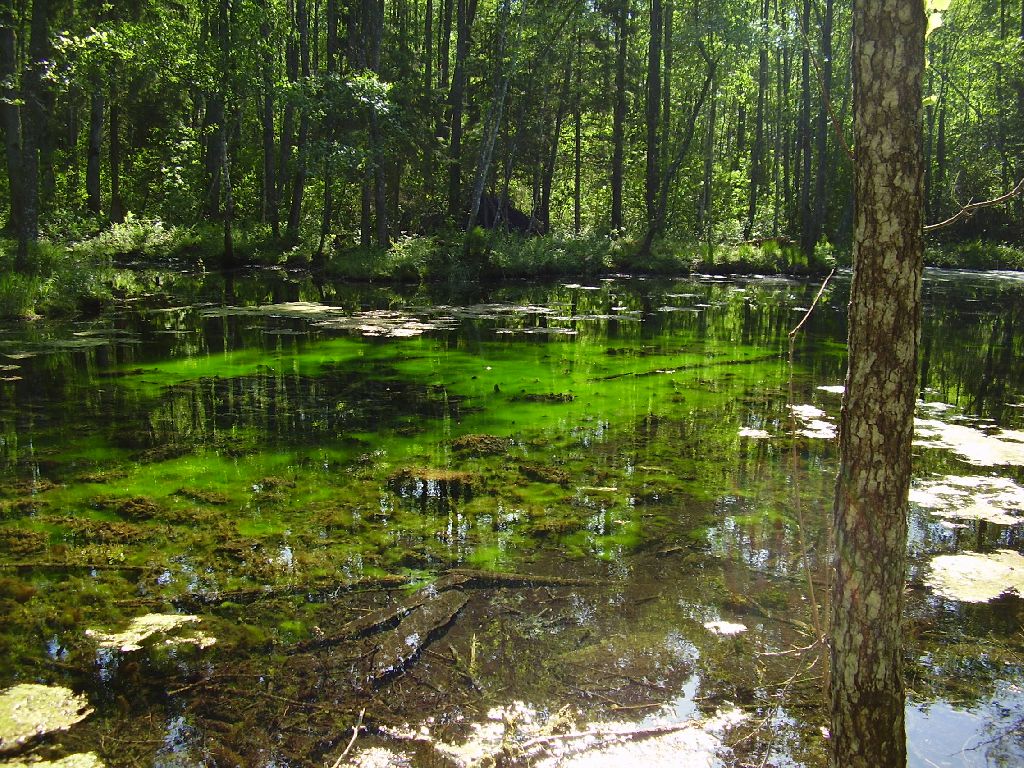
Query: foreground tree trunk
(870,526)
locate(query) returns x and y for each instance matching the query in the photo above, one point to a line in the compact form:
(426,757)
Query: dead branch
(969,210)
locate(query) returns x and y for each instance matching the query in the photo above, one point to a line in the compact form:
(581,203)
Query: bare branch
(968,210)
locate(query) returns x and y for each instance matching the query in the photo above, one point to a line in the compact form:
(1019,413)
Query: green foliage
(139,237)
(975,254)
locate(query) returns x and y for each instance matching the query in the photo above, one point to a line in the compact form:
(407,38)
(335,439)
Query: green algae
(251,470)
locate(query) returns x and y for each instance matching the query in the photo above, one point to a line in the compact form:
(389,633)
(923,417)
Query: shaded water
(289,462)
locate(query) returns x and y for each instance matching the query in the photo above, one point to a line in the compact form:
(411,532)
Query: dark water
(639,459)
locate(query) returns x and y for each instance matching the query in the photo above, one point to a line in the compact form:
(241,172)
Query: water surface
(641,460)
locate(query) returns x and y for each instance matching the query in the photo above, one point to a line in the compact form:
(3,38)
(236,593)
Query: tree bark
(821,187)
(114,149)
(707,187)
(804,132)
(870,515)
(464,20)
(34,115)
(653,109)
(93,186)
(11,113)
(299,182)
(269,200)
(757,154)
(619,114)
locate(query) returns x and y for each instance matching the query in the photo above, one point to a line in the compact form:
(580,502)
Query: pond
(262,521)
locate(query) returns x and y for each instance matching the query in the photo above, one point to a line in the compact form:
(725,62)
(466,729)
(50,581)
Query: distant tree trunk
(804,132)
(666,89)
(938,186)
(291,58)
(444,38)
(821,186)
(93,186)
(428,92)
(11,113)
(331,126)
(707,187)
(653,109)
(661,210)
(114,148)
(34,115)
(213,128)
(577,140)
(270,214)
(299,182)
(871,506)
(619,113)
(464,20)
(495,112)
(552,155)
(757,154)
(375,21)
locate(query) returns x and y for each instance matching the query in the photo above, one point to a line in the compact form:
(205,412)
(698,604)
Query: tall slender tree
(871,507)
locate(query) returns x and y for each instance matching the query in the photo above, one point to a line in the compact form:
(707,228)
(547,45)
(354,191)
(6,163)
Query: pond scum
(267,523)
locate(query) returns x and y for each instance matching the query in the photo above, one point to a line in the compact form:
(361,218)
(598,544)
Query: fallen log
(400,648)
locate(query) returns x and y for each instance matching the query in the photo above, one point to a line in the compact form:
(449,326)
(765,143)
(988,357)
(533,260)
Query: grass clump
(975,254)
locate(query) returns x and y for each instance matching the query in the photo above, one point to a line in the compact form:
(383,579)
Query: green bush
(975,254)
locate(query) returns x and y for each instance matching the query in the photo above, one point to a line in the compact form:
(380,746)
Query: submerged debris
(29,710)
(481,445)
(976,578)
(143,627)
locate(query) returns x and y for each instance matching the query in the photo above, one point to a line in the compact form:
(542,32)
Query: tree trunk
(804,131)
(288,118)
(428,93)
(114,148)
(552,156)
(299,182)
(577,139)
(456,101)
(11,113)
(821,187)
(93,187)
(213,128)
(707,188)
(619,114)
(666,88)
(757,154)
(269,200)
(653,109)
(870,525)
(494,117)
(375,23)
(34,115)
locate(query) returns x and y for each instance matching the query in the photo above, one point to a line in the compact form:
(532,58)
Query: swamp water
(548,525)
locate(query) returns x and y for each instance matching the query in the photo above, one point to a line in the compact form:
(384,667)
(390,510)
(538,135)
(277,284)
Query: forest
(364,138)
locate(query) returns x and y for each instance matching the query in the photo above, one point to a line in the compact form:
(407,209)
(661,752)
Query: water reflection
(282,457)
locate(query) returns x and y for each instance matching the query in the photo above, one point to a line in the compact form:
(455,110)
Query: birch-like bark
(870,522)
